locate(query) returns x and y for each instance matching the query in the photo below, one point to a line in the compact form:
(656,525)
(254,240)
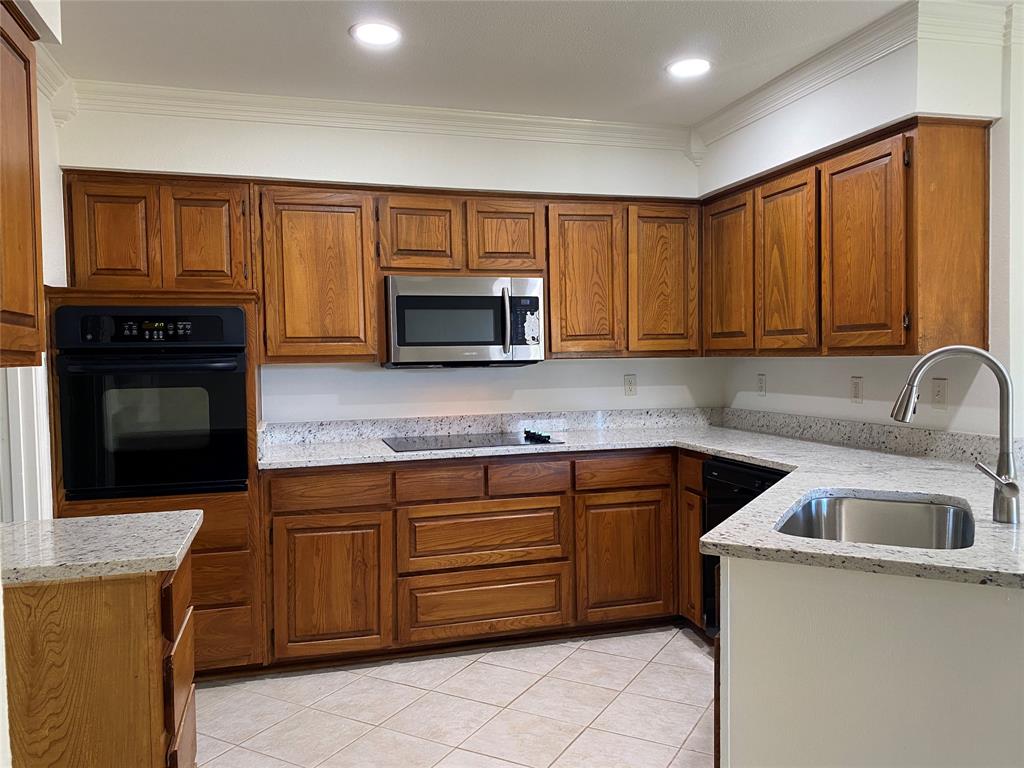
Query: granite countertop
(996,558)
(89,547)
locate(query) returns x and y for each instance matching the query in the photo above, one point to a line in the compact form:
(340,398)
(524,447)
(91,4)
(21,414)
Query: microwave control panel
(526,325)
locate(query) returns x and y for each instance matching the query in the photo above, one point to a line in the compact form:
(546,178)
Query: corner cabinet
(21,258)
(320,281)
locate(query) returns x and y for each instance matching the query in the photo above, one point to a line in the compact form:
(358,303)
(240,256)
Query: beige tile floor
(638,699)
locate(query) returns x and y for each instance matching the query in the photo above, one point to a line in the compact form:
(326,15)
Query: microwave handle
(506,309)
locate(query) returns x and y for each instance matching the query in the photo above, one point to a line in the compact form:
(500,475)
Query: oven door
(449,320)
(151,425)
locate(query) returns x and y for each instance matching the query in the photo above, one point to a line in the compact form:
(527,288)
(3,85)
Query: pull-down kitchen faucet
(1006,501)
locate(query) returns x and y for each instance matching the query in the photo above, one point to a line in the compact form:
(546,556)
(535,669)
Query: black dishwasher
(728,486)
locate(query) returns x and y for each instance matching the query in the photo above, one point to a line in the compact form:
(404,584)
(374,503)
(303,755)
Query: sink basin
(894,522)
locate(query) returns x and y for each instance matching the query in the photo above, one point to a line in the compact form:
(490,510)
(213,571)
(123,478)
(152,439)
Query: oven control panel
(81,327)
(170,329)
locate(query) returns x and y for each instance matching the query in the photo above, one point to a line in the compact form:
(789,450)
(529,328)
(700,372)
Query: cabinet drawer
(175,598)
(439,483)
(528,477)
(492,601)
(182,752)
(225,523)
(226,637)
(691,472)
(179,671)
(296,493)
(474,533)
(623,472)
(221,578)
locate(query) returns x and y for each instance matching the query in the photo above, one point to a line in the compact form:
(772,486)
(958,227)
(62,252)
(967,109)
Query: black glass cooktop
(453,442)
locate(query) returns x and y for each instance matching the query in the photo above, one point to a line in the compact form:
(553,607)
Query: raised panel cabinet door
(728,275)
(115,234)
(505,235)
(786,261)
(21,261)
(664,267)
(422,232)
(625,565)
(690,572)
(863,247)
(205,236)
(587,277)
(334,583)
(319,275)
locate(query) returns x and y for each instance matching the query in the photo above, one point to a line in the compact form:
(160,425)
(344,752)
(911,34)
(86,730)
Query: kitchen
(528,403)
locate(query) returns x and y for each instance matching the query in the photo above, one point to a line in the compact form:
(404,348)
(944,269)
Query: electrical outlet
(939,389)
(857,389)
(762,385)
(629,384)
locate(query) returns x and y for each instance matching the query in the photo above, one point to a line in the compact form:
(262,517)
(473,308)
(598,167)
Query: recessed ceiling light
(376,33)
(689,68)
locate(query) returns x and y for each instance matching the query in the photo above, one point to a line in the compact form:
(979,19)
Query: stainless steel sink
(893,522)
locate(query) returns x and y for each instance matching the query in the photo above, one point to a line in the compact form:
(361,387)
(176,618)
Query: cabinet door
(21,274)
(334,584)
(587,294)
(506,235)
(863,247)
(116,234)
(663,279)
(691,582)
(421,232)
(319,275)
(205,236)
(625,563)
(786,262)
(729,273)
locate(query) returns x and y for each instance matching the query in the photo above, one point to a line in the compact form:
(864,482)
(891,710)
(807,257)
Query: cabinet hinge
(261,206)
(906,156)
(377,248)
(272,639)
(376,212)
(906,321)
(245,207)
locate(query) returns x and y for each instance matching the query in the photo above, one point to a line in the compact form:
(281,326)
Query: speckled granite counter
(997,556)
(88,547)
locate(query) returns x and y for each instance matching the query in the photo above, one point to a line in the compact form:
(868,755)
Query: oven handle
(220,365)
(506,311)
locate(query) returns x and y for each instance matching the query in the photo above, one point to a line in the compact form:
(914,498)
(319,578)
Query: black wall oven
(152,400)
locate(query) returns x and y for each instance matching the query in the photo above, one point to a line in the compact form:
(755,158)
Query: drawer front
(179,671)
(528,477)
(221,578)
(473,533)
(623,472)
(175,598)
(225,523)
(439,483)
(226,637)
(691,472)
(477,603)
(182,752)
(297,493)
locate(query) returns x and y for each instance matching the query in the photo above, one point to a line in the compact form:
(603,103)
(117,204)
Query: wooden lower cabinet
(333,583)
(690,576)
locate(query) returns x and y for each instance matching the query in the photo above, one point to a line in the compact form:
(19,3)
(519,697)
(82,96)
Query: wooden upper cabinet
(116,234)
(334,583)
(863,247)
(505,235)
(21,260)
(421,232)
(729,273)
(786,262)
(664,268)
(205,237)
(319,276)
(587,277)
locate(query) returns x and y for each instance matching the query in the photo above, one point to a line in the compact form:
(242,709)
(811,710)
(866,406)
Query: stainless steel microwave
(453,321)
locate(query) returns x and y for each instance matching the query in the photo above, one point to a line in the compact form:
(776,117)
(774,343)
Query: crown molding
(1014,24)
(960,22)
(870,44)
(50,75)
(127,98)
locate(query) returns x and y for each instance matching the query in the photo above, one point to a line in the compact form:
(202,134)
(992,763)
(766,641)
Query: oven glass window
(449,321)
(155,418)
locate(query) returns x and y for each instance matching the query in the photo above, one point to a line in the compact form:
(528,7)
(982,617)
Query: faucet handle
(1008,485)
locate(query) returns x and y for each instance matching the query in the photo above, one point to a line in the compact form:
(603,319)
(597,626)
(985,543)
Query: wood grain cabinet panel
(179,670)
(587,285)
(319,275)
(421,232)
(359,488)
(691,582)
(333,583)
(728,273)
(205,236)
(624,555)
(863,247)
(664,269)
(522,477)
(455,481)
(115,234)
(227,637)
(786,262)
(623,471)
(505,235)
(21,260)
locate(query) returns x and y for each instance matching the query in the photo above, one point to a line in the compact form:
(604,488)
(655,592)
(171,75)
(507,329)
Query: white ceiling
(601,60)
